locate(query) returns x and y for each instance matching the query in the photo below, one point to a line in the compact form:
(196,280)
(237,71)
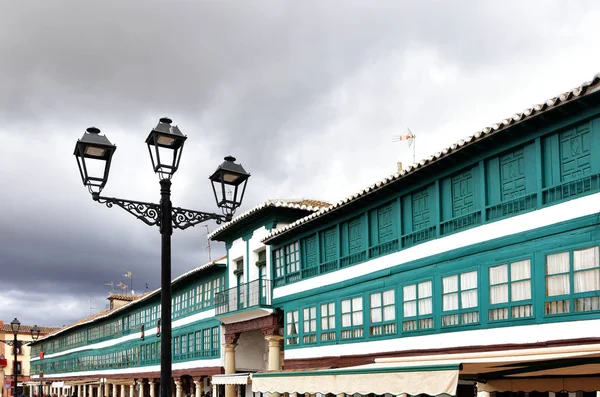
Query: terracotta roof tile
(586,88)
(27,329)
(308,205)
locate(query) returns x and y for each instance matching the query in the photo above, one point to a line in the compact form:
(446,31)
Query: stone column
(178,387)
(84,391)
(214,391)
(115,392)
(151,386)
(132,390)
(230,344)
(198,384)
(274,363)
(123,391)
(140,383)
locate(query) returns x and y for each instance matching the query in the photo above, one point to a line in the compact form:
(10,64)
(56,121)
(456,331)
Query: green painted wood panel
(512,175)
(575,153)
(463,201)
(385,224)
(421,211)
(330,246)
(310,252)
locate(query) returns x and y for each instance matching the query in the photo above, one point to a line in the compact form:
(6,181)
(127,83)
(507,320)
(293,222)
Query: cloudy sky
(306,94)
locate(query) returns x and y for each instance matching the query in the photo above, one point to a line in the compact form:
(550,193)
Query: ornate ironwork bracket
(150,213)
(184,218)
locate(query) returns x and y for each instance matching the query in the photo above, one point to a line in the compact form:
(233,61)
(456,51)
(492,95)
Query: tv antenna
(412,141)
(112,287)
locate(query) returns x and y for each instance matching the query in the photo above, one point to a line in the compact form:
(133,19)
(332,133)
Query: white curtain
(410,292)
(589,280)
(376,308)
(410,309)
(520,275)
(357,313)
(556,283)
(498,285)
(292,325)
(310,322)
(327,322)
(450,295)
(346,315)
(389,310)
(425,302)
(468,285)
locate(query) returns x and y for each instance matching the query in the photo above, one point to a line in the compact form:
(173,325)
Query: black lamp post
(15,326)
(165,145)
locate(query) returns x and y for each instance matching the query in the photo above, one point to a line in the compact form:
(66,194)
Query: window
(190,344)
(383,313)
(199,296)
(309,325)
(417,306)
(291,328)
(328,321)
(510,283)
(198,335)
(579,272)
(206,342)
(292,258)
(176,346)
(207,293)
(215,341)
(459,299)
(184,344)
(279,262)
(352,318)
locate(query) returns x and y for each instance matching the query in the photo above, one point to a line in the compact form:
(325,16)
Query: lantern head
(165,145)
(94,153)
(229,185)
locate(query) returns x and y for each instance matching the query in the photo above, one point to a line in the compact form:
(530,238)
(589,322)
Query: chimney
(399,165)
(118,300)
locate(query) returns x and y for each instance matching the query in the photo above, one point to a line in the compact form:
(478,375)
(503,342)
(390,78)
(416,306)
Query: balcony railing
(256,293)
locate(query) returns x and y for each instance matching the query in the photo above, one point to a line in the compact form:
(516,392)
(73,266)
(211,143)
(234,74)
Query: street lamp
(165,145)
(15,326)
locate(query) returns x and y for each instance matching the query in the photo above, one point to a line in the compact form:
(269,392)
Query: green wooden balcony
(255,294)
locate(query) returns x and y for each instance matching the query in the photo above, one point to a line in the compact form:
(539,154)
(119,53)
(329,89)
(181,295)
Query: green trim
(357,371)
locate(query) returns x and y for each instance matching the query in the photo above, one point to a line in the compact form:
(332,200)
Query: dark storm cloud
(304,94)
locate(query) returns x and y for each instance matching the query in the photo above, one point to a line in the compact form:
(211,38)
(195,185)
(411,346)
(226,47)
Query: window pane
(376,300)
(557,263)
(410,309)
(425,306)
(499,294)
(389,313)
(450,284)
(498,275)
(425,289)
(376,315)
(468,299)
(520,291)
(587,281)
(585,259)
(356,304)
(557,285)
(450,301)
(388,297)
(468,280)
(520,270)
(409,292)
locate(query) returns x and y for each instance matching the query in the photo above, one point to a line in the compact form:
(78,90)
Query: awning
(230,379)
(528,385)
(365,379)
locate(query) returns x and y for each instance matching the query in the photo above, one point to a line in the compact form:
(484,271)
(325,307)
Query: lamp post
(15,326)
(165,145)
